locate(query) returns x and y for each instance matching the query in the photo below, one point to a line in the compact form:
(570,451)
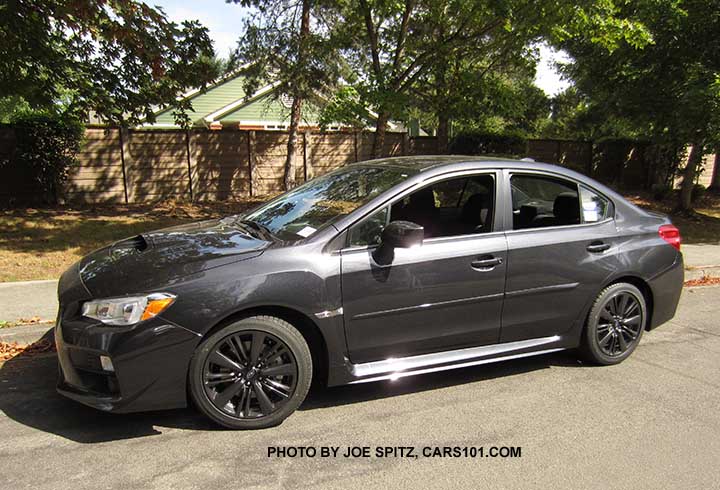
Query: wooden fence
(135,166)
(140,166)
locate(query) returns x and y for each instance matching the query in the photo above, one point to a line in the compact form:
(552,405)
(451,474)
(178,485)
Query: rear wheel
(615,324)
(252,373)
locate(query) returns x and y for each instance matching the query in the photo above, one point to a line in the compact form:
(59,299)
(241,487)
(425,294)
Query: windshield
(304,210)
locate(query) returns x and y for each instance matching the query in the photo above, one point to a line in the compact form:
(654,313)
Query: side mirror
(397,234)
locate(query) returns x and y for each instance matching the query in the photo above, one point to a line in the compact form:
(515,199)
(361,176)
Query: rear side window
(540,202)
(594,206)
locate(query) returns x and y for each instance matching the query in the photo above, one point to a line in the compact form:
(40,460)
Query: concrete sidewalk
(39,298)
(27,299)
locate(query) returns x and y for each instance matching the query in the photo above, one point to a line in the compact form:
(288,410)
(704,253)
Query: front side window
(301,212)
(453,207)
(540,201)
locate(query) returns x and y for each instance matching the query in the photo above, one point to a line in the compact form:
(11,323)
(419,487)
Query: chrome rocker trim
(442,361)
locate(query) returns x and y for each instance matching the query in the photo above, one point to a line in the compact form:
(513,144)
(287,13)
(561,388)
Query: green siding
(262,109)
(268,109)
(206,103)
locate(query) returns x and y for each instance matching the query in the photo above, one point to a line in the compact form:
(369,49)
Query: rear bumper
(150,362)
(666,288)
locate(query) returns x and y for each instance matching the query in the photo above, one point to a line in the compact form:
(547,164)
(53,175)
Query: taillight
(671,234)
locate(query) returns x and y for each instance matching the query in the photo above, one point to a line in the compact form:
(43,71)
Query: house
(225,104)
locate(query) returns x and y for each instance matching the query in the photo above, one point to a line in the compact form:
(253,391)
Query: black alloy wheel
(252,373)
(615,324)
(619,325)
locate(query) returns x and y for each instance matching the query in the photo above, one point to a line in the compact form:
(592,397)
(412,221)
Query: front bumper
(150,363)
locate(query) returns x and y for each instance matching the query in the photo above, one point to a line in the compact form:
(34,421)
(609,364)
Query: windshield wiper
(263,230)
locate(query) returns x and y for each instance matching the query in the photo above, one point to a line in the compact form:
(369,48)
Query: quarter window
(368,231)
(594,206)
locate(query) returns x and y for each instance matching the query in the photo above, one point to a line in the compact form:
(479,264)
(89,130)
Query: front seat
(421,210)
(475,212)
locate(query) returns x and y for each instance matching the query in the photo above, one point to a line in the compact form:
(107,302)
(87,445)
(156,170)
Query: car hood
(161,258)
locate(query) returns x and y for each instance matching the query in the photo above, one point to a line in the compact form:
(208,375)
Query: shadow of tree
(56,229)
(28,396)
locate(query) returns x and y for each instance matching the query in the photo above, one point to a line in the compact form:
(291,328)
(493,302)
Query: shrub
(660,191)
(698,192)
(480,143)
(45,148)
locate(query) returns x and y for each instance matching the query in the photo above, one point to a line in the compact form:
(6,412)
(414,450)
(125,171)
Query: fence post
(251,160)
(404,144)
(190,147)
(307,155)
(124,155)
(355,144)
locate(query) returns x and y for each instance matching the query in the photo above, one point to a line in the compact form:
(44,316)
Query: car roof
(434,162)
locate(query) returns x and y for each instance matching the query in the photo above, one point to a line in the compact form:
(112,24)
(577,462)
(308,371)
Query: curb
(25,283)
(25,334)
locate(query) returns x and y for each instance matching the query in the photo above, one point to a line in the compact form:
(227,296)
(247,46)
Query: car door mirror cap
(398,234)
(402,234)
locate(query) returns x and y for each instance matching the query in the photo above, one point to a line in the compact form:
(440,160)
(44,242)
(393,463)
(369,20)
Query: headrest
(566,208)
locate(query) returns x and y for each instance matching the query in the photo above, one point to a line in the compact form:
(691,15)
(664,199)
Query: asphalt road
(651,422)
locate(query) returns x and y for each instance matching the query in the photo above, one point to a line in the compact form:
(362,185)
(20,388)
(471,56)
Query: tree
(118,58)
(402,42)
(671,88)
(279,47)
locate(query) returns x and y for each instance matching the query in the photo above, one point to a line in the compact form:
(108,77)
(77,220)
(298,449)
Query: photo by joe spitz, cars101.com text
(377,271)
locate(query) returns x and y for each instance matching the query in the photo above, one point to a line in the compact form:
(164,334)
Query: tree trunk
(295,116)
(715,181)
(443,134)
(689,175)
(296,110)
(379,141)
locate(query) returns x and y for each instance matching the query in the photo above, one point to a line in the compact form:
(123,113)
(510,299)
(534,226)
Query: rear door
(561,247)
(443,295)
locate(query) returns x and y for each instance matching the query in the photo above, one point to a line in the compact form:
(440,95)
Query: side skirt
(455,359)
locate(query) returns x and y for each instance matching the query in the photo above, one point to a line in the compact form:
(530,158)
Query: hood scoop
(134,244)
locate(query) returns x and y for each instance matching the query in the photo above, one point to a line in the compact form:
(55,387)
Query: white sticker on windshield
(306,232)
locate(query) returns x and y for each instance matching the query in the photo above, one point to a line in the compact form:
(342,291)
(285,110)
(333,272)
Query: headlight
(129,310)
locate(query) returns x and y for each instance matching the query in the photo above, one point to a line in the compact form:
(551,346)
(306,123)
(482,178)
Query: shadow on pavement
(349,394)
(28,396)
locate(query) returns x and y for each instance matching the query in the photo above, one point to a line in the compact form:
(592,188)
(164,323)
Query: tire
(615,324)
(251,374)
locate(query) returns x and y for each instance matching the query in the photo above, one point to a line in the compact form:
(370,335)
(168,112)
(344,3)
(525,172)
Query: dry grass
(703,226)
(42,243)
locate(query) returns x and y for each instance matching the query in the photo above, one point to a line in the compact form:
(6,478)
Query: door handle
(486,264)
(596,247)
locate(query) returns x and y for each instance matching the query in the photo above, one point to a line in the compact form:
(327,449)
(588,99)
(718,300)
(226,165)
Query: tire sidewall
(271,325)
(591,344)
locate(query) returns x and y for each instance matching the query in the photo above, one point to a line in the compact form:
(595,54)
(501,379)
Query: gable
(268,108)
(211,100)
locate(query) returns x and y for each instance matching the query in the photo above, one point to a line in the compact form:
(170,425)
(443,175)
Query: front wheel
(252,373)
(615,324)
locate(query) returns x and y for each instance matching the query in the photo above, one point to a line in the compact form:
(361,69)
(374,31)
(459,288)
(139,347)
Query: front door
(445,294)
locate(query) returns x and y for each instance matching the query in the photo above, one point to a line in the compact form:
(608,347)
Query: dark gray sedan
(380,270)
